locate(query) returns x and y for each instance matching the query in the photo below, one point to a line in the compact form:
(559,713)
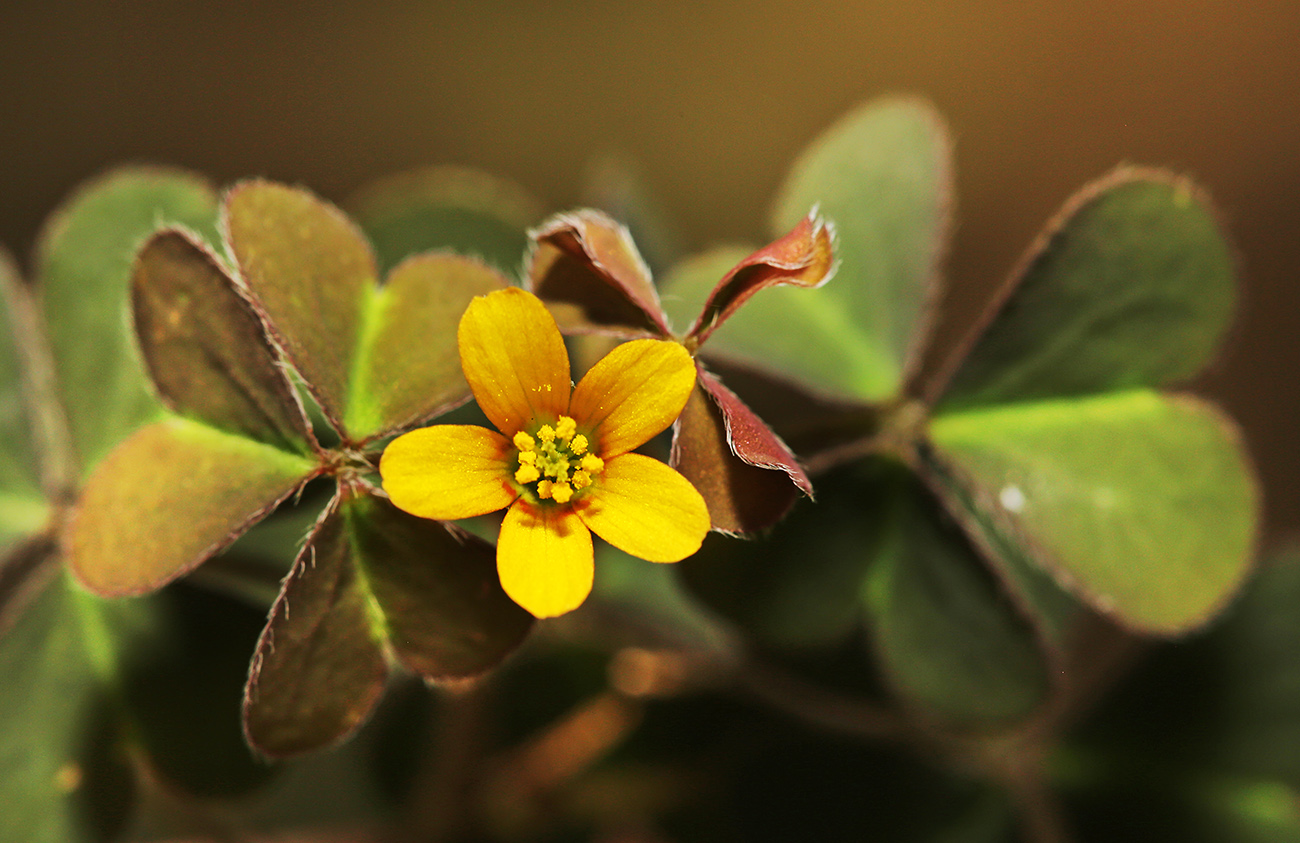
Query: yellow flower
(562,461)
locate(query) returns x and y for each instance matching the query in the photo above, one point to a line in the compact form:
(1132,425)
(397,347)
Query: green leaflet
(1143,504)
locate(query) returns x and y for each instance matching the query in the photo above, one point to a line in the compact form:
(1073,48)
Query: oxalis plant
(341,525)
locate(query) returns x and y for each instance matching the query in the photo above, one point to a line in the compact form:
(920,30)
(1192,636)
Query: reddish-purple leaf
(445,614)
(803,258)
(373,586)
(742,497)
(206,349)
(310,269)
(588,271)
(168,498)
(750,437)
(320,666)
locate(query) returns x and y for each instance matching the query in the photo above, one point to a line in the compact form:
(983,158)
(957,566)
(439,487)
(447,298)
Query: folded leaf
(1131,286)
(883,176)
(408,362)
(1144,505)
(170,497)
(741,497)
(802,258)
(804,336)
(447,209)
(206,349)
(588,271)
(311,270)
(83,269)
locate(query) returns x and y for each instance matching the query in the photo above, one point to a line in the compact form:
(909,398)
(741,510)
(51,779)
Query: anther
(565,427)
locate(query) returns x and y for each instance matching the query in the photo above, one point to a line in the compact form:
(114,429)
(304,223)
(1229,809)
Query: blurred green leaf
(311,270)
(1226,703)
(617,185)
(800,585)
(185,696)
(1152,808)
(60,730)
(408,361)
(373,586)
(948,638)
(1199,742)
(882,175)
(23,510)
(83,265)
(1144,505)
(49,680)
(448,209)
(170,497)
(205,348)
(1132,286)
(17,459)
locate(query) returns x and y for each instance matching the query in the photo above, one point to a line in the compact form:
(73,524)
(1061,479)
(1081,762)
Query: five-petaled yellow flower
(562,462)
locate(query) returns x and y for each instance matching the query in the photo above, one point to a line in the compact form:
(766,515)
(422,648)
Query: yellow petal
(645,508)
(544,558)
(448,471)
(632,393)
(514,359)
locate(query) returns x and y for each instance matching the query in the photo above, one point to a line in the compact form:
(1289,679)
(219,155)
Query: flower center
(555,461)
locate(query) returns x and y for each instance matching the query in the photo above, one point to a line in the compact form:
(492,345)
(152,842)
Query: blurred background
(712,101)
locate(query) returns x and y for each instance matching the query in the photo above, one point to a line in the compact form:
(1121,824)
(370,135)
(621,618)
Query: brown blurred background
(713,100)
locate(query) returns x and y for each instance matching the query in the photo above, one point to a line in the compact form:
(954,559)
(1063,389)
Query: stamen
(557,459)
(565,427)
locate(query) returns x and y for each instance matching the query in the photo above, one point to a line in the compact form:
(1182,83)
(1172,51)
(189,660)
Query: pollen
(578,445)
(581,479)
(546,433)
(527,473)
(544,488)
(592,464)
(524,442)
(528,458)
(561,492)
